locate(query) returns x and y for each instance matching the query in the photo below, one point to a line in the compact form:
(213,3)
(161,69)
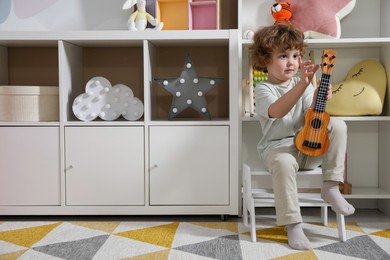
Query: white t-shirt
(279,131)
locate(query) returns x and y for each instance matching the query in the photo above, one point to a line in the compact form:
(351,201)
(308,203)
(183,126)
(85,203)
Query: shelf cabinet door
(189,165)
(29,166)
(104,165)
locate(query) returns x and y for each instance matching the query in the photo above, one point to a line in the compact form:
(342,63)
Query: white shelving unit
(368,136)
(72,167)
(68,59)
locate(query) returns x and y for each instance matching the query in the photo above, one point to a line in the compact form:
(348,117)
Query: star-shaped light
(188,90)
(318,18)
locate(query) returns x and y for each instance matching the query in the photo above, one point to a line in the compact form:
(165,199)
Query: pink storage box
(204,15)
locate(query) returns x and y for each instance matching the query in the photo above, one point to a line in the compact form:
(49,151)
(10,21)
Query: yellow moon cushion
(361,93)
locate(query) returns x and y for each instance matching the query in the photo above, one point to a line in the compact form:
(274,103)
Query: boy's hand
(329,92)
(328,95)
(307,71)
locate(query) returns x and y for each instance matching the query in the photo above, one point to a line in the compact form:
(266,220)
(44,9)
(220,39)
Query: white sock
(331,194)
(296,238)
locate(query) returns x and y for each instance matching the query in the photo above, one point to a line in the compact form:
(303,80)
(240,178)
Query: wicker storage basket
(29,103)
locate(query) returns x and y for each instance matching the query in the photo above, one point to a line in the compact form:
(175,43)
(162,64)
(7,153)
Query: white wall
(385,28)
(62,15)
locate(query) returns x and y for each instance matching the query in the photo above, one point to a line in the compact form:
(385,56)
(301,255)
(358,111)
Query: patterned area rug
(20,239)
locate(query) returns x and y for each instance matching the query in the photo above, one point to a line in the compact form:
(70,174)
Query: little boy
(281,103)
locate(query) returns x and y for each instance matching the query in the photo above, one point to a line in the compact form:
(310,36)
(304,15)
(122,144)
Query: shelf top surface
(13,38)
(255,118)
(341,42)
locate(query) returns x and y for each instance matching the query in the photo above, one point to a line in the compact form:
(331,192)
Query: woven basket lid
(28,90)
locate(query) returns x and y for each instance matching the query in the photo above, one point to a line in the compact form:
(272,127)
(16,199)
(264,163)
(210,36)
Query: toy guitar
(313,138)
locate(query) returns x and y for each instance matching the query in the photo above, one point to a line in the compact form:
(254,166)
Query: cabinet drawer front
(189,165)
(104,165)
(29,166)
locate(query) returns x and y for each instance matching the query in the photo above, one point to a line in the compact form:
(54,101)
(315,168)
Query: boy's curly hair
(268,39)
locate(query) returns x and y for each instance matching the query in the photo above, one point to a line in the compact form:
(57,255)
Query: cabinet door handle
(153,167)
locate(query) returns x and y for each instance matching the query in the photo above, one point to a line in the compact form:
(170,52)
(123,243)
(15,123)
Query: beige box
(29,103)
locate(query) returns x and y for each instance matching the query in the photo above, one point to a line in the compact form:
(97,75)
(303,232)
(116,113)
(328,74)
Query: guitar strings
(319,110)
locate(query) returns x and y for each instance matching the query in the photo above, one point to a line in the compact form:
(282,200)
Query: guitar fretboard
(321,96)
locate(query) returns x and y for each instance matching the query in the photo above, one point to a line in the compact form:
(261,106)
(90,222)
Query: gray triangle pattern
(78,249)
(361,246)
(224,248)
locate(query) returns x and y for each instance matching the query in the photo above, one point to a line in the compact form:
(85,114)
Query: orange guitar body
(313,138)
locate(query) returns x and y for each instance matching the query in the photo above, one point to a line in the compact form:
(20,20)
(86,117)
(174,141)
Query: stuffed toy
(139,19)
(361,93)
(318,18)
(281,12)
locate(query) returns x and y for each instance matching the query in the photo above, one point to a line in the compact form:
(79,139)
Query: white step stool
(263,197)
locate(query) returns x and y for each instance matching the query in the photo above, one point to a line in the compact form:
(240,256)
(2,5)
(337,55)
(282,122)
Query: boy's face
(283,66)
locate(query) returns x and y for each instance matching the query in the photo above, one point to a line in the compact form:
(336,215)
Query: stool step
(261,195)
(305,199)
(315,171)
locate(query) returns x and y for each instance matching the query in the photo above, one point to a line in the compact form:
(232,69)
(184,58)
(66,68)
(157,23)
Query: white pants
(284,163)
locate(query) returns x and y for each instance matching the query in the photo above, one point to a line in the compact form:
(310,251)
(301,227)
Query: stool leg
(253,220)
(245,212)
(245,192)
(324,215)
(249,204)
(341,227)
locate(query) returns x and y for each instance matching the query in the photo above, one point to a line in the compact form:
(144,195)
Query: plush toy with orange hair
(281,12)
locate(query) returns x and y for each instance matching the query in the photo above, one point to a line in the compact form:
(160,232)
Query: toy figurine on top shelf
(140,18)
(281,12)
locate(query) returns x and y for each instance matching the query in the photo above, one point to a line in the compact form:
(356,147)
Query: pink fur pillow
(320,18)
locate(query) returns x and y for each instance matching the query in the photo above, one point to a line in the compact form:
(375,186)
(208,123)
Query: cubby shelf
(69,150)
(97,160)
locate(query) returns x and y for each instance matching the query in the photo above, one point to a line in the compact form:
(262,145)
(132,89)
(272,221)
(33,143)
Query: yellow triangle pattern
(159,255)
(108,227)
(13,255)
(348,226)
(277,234)
(383,233)
(27,236)
(306,255)
(159,235)
(230,226)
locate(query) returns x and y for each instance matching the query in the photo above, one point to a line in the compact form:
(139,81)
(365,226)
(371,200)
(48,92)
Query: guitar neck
(320,103)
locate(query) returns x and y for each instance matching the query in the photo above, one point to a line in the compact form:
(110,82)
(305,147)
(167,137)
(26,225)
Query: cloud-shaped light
(107,102)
